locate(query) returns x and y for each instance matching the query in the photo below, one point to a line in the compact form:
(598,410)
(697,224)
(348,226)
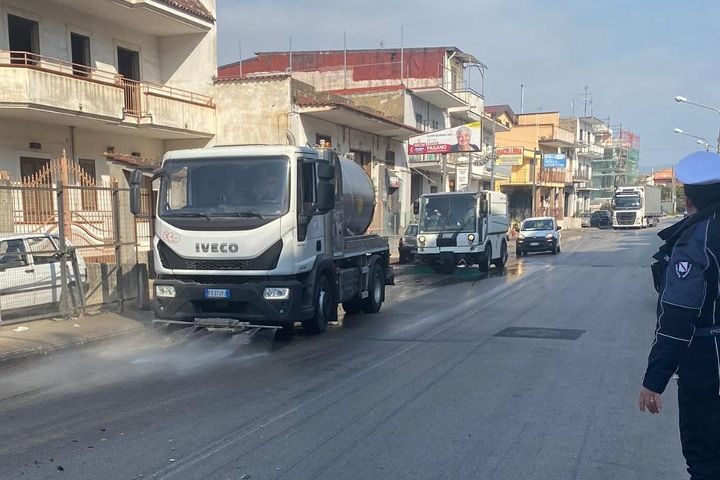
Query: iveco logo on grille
(217,248)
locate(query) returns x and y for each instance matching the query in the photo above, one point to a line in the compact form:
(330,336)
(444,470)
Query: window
(12,253)
(42,249)
(390,158)
(38,205)
(24,40)
(80,45)
(129,68)
(307,187)
(419,121)
(323,141)
(88,197)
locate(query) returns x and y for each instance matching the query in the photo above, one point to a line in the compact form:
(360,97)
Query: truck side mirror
(326,196)
(483,206)
(416,207)
(325,171)
(135,202)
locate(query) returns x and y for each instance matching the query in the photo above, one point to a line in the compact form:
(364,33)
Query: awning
(358,120)
(439,97)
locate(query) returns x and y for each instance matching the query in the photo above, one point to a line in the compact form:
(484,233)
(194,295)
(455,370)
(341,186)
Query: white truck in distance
(463,228)
(636,207)
(264,236)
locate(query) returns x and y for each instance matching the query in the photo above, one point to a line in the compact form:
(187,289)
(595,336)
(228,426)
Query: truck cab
(463,228)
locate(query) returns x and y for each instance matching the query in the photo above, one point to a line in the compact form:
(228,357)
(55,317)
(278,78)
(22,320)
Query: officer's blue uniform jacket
(688,301)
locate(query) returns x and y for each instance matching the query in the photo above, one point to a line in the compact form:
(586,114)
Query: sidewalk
(41,337)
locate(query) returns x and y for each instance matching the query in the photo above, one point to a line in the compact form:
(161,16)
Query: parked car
(30,272)
(601,218)
(585,219)
(540,234)
(407,248)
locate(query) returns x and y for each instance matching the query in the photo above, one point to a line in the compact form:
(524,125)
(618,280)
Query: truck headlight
(549,236)
(521,237)
(164,291)
(273,293)
(421,239)
(471,237)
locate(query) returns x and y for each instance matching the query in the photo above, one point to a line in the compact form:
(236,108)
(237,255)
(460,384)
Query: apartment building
(423,89)
(112,83)
(588,133)
(542,181)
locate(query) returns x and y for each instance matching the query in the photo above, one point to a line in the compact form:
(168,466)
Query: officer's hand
(649,400)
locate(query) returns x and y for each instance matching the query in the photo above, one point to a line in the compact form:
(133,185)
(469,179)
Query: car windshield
(451,213)
(544,224)
(411,230)
(241,186)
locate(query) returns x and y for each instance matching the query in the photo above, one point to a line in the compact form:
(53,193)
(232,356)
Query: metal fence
(66,242)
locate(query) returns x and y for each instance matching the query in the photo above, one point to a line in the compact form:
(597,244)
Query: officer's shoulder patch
(683,269)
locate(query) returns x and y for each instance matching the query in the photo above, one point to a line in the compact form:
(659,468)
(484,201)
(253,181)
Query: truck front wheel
(324,304)
(376,290)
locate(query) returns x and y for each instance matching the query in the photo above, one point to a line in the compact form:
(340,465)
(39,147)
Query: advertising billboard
(508,156)
(554,160)
(465,138)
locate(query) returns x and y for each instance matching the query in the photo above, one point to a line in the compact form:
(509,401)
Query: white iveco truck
(264,236)
(636,207)
(463,228)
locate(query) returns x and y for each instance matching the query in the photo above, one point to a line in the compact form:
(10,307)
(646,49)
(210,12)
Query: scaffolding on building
(619,165)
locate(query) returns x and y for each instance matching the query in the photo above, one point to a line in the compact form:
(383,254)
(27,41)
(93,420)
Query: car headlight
(164,291)
(471,237)
(274,293)
(521,237)
(549,236)
(421,239)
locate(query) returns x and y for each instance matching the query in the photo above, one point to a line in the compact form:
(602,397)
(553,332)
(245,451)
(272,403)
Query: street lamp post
(681,99)
(700,140)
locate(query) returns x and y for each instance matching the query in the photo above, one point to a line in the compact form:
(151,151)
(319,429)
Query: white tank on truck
(264,236)
(637,207)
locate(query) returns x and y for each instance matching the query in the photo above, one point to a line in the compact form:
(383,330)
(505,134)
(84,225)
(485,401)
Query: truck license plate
(534,244)
(218,293)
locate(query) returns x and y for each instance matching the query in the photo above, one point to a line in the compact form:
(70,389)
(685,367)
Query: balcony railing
(474,99)
(555,176)
(32,79)
(591,151)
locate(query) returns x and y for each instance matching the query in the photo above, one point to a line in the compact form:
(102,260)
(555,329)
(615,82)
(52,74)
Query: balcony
(553,136)
(557,176)
(154,17)
(38,88)
(473,108)
(591,151)
(581,177)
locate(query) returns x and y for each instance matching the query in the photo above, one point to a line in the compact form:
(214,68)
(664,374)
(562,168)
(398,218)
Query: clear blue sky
(635,56)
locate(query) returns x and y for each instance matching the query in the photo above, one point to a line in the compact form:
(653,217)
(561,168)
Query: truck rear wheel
(376,290)
(324,303)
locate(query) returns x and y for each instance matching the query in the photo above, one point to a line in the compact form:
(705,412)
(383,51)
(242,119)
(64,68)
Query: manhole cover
(545,333)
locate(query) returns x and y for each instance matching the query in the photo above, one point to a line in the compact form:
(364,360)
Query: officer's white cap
(699,168)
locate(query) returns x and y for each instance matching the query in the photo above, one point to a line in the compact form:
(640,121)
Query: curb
(50,349)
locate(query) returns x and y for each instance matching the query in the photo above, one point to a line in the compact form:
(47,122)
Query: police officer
(686,338)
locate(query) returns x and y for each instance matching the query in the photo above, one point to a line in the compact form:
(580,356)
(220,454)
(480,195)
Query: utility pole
(522,98)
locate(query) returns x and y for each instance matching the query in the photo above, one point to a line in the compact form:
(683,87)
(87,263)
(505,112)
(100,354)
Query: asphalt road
(424,390)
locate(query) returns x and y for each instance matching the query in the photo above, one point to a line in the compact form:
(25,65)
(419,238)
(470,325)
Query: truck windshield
(627,202)
(448,213)
(541,224)
(225,187)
